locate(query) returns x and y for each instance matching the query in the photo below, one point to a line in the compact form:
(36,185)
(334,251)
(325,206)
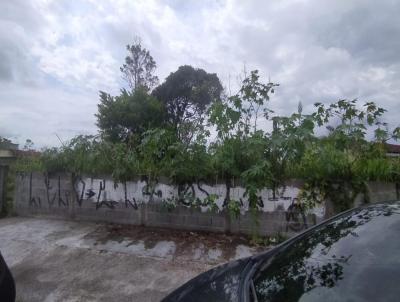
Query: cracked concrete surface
(54,260)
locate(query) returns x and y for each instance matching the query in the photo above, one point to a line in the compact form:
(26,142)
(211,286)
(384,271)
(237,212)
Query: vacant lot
(54,260)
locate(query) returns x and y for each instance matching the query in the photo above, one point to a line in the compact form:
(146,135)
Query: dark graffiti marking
(67,195)
(227,198)
(33,201)
(202,189)
(149,189)
(79,198)
(62,202)
(280,198)
(132,203)
(260,202)
(279,194)
(36,200)
(48,187)
(128,202)
(295,217)
(36,203)
(102,187)
(90,193)
(186,194)
(106,203)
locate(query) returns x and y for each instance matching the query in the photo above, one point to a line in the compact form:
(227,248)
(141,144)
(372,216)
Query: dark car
(355,256)
(7,285)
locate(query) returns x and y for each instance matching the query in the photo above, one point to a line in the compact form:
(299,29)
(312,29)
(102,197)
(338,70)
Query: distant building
(7,152)
(7,156)
(393,150)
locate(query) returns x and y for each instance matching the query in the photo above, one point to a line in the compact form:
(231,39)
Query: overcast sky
(56,55)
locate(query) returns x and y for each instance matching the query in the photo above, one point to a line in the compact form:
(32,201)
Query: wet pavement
(55,260)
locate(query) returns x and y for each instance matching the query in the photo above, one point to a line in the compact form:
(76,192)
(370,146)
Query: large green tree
(128,115)
(186,93)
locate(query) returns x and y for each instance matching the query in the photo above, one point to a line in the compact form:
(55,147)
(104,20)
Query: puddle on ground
(170,244)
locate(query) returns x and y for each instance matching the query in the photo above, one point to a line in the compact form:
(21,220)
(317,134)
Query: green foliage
(234,208)
(126,117)
(124,162)
(286,145)
(330,172)
(252,97)
(139,67)
(238,114)
(153,152)
(210,202)
(77,156)
(239,151)
(83,154)
(337,167)
(188,164)
(169,204)
(255,179)
(29,164)
(268,241)
(186,93)
(348,124)
(226,157)
(165,134)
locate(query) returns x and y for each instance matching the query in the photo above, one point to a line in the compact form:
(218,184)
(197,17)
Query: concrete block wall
(380,191)
(3,177)
(184,218)
(119,214)
(33,196)
(57,197)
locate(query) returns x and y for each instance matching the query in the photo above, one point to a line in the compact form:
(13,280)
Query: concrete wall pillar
(3,178)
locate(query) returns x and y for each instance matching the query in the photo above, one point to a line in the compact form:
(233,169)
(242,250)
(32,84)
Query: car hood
(219,284)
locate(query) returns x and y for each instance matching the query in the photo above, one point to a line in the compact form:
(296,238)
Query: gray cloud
(15,62)
(368,31)
(56,55)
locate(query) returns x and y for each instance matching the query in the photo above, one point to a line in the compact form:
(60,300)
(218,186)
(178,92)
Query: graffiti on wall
(33,201)
(80,194)
(47,184)
(101,195)
(129,203)
(61,196)
(149,190)
(296,219)
(106,194)
(104,202)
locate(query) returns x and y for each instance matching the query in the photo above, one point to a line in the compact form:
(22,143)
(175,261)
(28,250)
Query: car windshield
(353,258)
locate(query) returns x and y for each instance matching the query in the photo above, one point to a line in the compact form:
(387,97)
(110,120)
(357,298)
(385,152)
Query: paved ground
(54,260)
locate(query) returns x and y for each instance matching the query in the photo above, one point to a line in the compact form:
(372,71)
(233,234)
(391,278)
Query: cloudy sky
(56,55)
